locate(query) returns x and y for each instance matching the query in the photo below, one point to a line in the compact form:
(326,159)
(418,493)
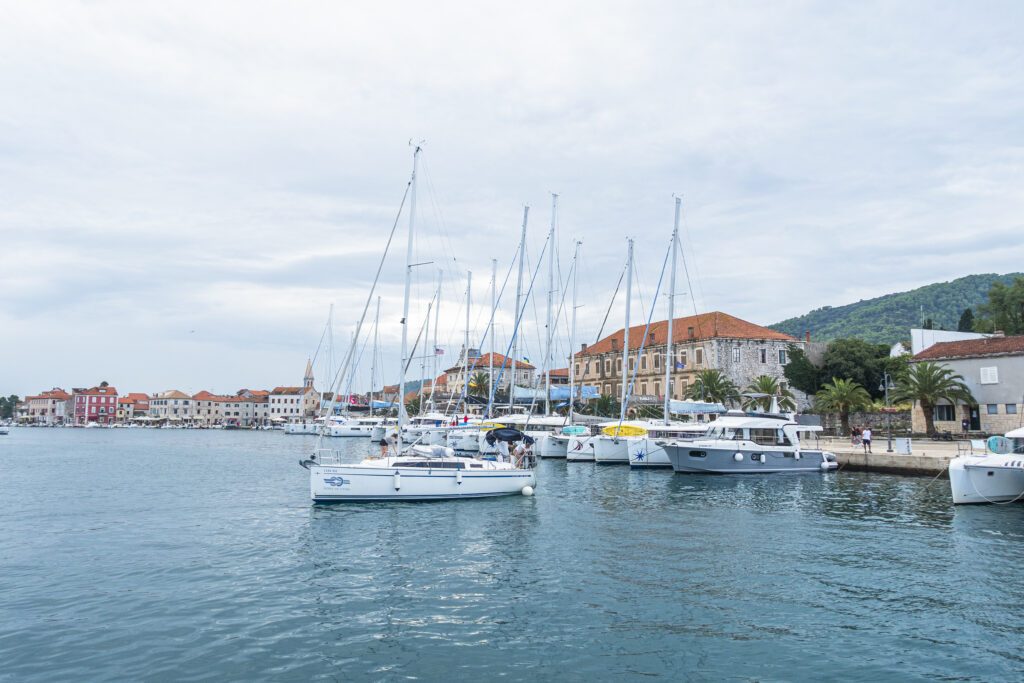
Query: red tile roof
(54,394)
(560,372)
(287,391)
(714,325)
(481,363)
(972,348)
(97,391)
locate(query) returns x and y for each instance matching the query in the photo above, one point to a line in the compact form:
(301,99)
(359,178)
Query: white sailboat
(421,472)
(990,477)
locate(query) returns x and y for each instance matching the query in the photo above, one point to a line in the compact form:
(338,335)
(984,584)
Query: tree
(605,405)
(104,384)
(858,360)
(801,373)
(770,386)
(1004,310)
(842,396)
(713,386)
(966,323)
(479,384)
(7,406)
(413,406)
(928,383)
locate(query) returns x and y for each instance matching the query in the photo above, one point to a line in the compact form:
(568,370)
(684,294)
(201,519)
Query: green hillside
(888,319)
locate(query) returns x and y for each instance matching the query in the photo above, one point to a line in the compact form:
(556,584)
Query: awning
(695,408)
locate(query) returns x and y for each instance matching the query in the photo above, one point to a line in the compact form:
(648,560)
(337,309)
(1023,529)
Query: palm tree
(713,386)
(842,396)
(770,386)
(604,405)
(413,406)
(928,383)
(479,384)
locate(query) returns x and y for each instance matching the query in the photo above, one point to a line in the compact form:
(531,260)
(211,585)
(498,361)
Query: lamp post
(886,385)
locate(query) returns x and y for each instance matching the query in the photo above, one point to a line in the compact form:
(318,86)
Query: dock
(927,458)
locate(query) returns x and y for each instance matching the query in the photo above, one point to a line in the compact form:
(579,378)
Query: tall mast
(625,338)
(423,358)
(551,299)
(373,362)
(433,351)
(572,331)
(515,318)
(405,304)
(490,335)
(669,358)
(465,351)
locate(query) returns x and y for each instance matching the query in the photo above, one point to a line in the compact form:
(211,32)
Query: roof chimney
(807,336)
(583,347)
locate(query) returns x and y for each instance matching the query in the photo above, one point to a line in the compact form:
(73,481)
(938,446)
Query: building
(921,339)
(98,404)
(173,405)
(295,403)
(525,374)
(741,350)
(559,376)
(48,408)
(131,406)
(993,369)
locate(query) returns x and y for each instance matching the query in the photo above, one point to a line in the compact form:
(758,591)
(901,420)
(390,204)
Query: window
(698,357)
(576,369)
(607,366)
(764,355)
(689,332)
(1011,408)
(992,408)
(643,362)
(944,413)
(643,388)
(782,356)
(657,388)
(736,355)
(657,361)
(682,359)
(990,375)
(618,365)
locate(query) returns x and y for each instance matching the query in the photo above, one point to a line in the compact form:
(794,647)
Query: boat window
(765,437)
(475,465)
(698,454)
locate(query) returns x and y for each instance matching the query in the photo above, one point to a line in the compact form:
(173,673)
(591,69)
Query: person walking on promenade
(866,437)
(965,425)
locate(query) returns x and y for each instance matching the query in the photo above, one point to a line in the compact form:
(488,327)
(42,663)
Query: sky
(187,188)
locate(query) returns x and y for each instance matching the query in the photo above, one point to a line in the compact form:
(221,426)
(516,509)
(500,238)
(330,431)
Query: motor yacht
(996,476)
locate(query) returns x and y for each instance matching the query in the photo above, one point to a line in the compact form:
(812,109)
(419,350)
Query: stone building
(173,405)
(525,374)
(739,349)
(993,369)
(48,408)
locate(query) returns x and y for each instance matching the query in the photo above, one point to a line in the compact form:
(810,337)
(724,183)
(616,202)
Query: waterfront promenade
(928,457)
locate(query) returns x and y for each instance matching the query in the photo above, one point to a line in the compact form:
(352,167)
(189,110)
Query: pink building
(98,404)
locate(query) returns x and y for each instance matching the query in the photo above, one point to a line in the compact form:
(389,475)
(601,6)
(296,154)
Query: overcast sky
(185,188)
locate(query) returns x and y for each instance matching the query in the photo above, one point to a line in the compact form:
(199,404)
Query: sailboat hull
(647,453)
(338,484)
(611,450)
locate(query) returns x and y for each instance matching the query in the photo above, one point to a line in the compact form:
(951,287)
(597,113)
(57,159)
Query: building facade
(525,373)
(47,408)
(741,350)
(993,369)
(172,405)
(131,406)
(98,404)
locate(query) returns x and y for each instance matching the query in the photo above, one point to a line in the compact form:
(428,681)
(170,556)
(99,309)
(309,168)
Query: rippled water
(196,555)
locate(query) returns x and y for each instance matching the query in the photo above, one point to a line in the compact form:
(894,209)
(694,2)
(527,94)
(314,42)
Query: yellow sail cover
(624,430)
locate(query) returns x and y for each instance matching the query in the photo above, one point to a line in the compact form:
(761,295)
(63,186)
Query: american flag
(438,351)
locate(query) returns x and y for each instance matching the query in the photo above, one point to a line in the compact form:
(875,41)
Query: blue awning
(695,408)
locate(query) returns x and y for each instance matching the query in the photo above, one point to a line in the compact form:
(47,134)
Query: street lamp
(886,385)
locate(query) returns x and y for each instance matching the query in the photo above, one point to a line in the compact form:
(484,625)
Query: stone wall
(901,422)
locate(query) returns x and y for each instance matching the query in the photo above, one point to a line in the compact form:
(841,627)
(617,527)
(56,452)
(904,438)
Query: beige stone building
(173,405)
(525,374)
(739,349)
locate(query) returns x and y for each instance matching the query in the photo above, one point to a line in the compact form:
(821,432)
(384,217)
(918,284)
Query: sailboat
(418,472)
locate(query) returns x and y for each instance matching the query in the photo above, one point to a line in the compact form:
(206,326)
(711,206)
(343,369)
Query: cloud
(185,190)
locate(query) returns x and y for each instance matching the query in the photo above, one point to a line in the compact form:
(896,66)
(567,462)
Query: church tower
(307,381)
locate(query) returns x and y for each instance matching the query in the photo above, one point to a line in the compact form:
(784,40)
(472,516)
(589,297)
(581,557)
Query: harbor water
(196,555)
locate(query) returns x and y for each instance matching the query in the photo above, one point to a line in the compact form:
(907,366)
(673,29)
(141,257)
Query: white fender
(738,457)
(458,476)
(796,455)
(398,480)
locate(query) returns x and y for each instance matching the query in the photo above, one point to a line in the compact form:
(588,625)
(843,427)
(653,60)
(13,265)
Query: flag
(680,366)
(352,400)
(438,351)
(526,359)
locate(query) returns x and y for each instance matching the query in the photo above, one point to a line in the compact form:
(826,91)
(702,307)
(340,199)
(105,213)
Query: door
(975,419)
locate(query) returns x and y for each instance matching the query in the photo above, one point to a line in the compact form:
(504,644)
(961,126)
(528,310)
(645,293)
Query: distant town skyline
(185,190)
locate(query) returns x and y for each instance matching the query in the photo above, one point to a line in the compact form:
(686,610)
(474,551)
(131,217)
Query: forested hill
(888,319)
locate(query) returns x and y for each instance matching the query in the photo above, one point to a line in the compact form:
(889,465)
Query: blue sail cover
(586,393)
(694,408)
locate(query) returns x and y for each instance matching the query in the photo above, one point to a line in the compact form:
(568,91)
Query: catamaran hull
(698,459)
(645,452)
(580,449)
(337,484)
(351,430)
(973,480)
(611,450)
(553,446)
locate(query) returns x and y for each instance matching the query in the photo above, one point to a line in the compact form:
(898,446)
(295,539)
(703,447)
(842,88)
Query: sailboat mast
(490,335)
(515,318)
(625,337)
(669,357)
(433,351)
(373,361)
(551,298)
(423,358)
(465,349)
(405,303)
(572,331)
